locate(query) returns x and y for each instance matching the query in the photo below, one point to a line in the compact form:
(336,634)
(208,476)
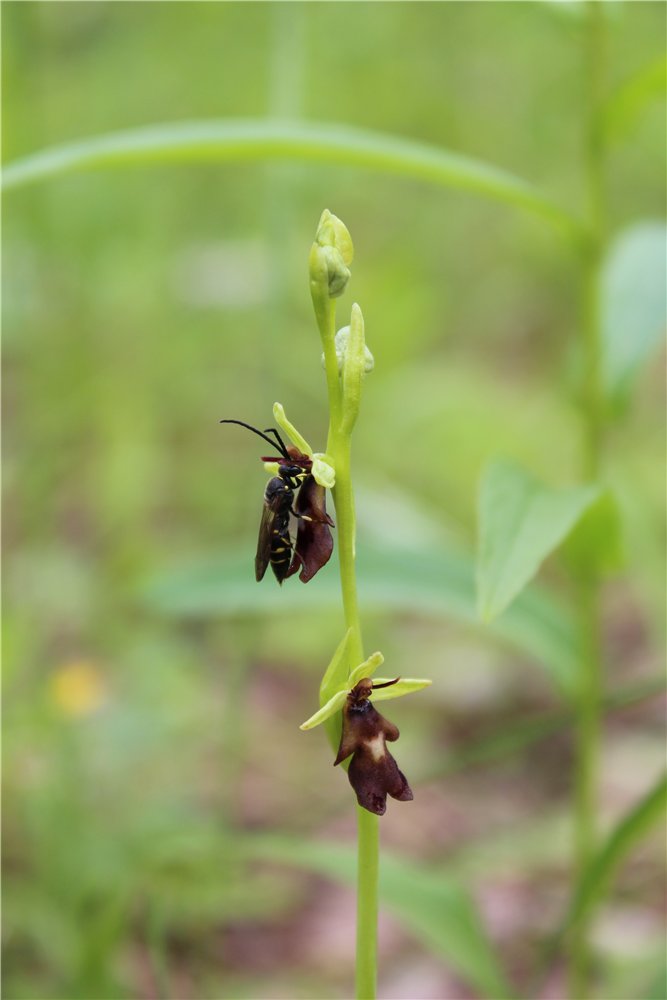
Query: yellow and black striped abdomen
(274,544)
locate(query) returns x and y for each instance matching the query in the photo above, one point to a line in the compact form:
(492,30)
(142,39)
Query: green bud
(332,254)
(338,274)
(331,232)
(341,342)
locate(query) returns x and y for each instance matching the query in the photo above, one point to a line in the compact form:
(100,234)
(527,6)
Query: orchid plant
(357,732)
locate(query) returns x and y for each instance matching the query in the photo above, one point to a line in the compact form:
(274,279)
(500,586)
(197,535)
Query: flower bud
(342,339)
(334,252)
(331,232)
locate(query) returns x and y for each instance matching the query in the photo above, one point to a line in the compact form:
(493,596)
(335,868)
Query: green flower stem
(588,586)
(345,526)
(368,863)
(339,447)
(368,825)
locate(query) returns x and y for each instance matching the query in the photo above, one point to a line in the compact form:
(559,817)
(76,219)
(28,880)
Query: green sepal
(291,431)
(365,669)
(354,366)
(332,706)
(406,685)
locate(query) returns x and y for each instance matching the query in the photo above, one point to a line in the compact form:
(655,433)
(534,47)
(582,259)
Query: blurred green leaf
(437,583)
(634,304)
(628,101)
(265,139)
(598,874)
(595,543)
(520,523)
(441,914)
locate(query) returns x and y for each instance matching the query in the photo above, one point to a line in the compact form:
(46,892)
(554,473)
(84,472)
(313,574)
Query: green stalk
(339,445)
(593,419)
(368,828)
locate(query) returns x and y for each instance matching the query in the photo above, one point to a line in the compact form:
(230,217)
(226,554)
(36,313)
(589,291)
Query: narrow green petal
(406,685)
(332,706)
(290,429)
(272,468)
(365,669)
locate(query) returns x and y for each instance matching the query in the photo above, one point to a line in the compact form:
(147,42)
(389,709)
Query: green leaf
(629,100)
(520,523)
(599,873)
(633,303)
(595,543)
(436,583)
(261,139)
(432,906)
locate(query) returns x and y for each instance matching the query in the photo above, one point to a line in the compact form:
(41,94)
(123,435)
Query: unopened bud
(337,252)
(341,341)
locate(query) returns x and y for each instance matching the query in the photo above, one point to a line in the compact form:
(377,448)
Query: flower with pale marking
(373,772)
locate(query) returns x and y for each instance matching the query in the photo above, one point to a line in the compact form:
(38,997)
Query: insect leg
(301,517)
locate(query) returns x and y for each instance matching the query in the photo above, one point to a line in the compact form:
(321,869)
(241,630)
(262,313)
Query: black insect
(373,772)
(314,543)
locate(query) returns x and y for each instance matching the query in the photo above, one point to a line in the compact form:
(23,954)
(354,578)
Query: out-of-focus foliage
(151,710)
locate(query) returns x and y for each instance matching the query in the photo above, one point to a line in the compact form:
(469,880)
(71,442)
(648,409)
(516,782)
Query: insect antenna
(282,448)
(386,684)
(281,443)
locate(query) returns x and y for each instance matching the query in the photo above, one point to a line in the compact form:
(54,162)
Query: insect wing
(266,525)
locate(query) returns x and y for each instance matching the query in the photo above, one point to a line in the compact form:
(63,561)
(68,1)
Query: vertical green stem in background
(339,448)
(593,418)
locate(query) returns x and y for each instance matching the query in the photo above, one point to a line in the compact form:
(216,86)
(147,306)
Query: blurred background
(153,691)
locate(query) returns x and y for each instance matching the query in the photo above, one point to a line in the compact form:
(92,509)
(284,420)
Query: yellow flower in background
(77,688)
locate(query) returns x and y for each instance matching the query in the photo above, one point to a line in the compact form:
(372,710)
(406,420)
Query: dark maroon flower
(314,542)
(373,772)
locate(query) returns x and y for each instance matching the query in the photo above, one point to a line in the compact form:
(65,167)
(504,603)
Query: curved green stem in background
(228,140)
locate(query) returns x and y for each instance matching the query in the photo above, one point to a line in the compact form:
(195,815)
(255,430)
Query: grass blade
(260,139)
